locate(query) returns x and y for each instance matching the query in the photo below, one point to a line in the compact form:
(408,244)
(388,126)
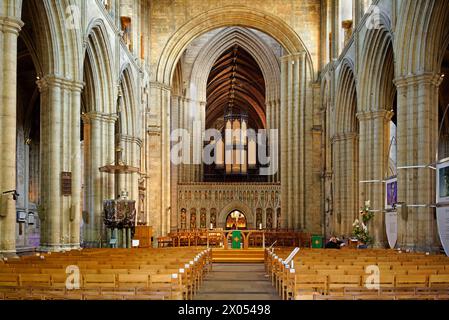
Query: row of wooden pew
(356,274)
(106,274)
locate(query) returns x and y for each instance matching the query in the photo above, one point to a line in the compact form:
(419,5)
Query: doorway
(236,220)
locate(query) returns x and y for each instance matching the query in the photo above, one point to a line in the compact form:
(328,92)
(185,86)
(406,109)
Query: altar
(239,238)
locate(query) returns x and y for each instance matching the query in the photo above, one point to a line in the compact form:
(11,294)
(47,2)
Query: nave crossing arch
(296,97)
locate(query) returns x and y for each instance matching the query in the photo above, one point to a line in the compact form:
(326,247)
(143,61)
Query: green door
(236,239)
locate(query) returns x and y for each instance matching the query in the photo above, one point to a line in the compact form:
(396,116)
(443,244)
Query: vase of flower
(360,226)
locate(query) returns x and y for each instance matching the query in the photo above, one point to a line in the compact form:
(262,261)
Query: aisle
(237,281)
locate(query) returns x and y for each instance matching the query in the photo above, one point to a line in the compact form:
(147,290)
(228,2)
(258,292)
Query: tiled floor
(237,281)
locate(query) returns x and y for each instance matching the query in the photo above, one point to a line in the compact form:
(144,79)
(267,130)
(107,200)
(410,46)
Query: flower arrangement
(360,229)
(366,212)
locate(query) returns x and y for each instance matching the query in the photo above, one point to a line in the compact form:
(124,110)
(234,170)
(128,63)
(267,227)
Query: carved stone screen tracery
(219,199)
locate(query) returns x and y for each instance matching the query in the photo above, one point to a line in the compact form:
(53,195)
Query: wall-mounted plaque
(66,183)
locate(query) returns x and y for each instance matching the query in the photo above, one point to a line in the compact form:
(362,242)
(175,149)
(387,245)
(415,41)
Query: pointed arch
(128,108)
(422,32)
(345,151)
(376,87)
(98,66)
(346,101)
(224,17)
(59,48)
(249,41)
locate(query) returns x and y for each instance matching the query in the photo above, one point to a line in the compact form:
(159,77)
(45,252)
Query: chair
(306,239)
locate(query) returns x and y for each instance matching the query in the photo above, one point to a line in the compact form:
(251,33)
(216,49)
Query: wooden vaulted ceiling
(236,80)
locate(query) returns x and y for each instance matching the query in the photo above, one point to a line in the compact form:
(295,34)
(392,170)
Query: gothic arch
(98,70)
(345,151)
(346,100)
(128,108)
(249,41)
(60,49)
(376,87)
(224,17)
(422,29)
(240,206)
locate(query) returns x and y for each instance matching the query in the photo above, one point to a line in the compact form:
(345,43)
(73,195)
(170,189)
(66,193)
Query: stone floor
(237,281)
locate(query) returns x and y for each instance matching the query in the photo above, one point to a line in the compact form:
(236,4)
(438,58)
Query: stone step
(226,286)
(237,281)
(242,297)
(238,267)
(248,276)
(238,256)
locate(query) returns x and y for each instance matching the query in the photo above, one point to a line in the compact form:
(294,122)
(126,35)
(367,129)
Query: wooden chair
(306,239)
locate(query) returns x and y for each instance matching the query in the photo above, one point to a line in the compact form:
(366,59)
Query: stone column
(346,183)
(76,205)
(373,167)
(202,106)
(176,170)
(272,123)
(9,31)
(60,152)
(417,145)
(158,158)
(99,146)
(293,83)
(195,124)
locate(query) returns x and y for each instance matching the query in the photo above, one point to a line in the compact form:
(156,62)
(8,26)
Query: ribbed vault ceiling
(235,80)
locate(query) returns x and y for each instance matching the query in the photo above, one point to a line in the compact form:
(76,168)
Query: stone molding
(55,81)
(371,115)
(417,79)
(99,116)
(344,136)
(11,25)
